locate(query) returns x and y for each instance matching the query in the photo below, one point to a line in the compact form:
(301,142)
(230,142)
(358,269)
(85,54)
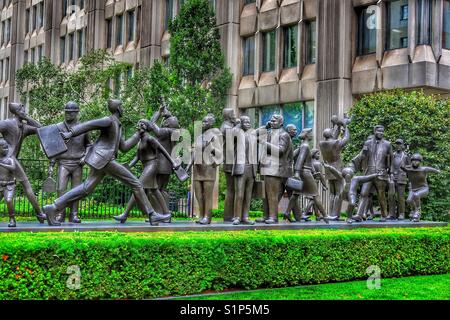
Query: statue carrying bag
(294,184)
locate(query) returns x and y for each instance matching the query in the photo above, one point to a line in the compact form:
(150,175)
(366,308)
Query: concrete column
(17,30)
(95,34)
(334,61)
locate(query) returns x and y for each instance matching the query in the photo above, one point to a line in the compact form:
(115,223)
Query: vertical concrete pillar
(334,61)
(17,30)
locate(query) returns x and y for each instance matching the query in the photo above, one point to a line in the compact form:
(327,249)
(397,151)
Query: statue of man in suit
(70,163)
(400,180)
(276,166)
(377,158)
(228,153)
(14,131)
(207,154)
(244,171)
(101,158)
(331,149)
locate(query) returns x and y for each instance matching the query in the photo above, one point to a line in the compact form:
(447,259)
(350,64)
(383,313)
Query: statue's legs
(335,199)
(239,187)
(8,194)
(250,181)
(77,177)
(401,191)
(364,202)
(274,192)
(199,195)
(380,185)
(163,181)
(204,195)
(63,181)
(228,213)
(414,200)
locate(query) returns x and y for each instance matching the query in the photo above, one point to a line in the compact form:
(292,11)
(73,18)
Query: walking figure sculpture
(14,131)
(331,149)
(398,189)
(70,163)
(101,158)
(149,150)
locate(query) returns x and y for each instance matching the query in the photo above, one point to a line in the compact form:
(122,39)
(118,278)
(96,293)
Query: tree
(423,122)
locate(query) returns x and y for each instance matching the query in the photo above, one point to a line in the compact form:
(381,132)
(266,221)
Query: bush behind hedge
(137,266)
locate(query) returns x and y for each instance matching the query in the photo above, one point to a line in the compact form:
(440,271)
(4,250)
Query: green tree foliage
(423,122)
(195,81)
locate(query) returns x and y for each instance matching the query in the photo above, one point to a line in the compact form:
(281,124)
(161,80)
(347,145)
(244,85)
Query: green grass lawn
(411,288)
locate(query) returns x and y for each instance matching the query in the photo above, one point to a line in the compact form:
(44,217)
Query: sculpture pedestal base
(182,226)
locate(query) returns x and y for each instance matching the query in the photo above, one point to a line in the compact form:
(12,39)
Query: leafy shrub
(138,266)
(423,122)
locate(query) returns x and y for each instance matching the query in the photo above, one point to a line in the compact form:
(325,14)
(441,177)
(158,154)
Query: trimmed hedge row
(137,266)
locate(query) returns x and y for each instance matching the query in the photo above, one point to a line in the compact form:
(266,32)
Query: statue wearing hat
(70,163)
(101,159)
(418,185)
(399,180)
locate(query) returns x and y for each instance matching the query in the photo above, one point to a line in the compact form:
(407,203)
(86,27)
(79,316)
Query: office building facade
(306,59)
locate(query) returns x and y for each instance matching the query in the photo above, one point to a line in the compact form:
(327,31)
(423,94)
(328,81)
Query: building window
(81,43)
(367,31)
(27,21)
(65,7)
(1,70)
(311,47)
(81,4)
(397,24)
(71,46)
(8,31)
(269,44)
(62,50)
(446,25)
(249,56)
(25,57)
(40,53)
(290,46)
(41,15)
(249,1)
(34,19)
(7,69)
(119,30)
(33,55)
(424,21)
(109,31)
(169,14)
(131,26)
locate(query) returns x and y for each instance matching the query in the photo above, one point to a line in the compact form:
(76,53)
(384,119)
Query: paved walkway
(134,226)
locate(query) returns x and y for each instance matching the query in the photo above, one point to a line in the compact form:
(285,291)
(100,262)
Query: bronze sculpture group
(262,162)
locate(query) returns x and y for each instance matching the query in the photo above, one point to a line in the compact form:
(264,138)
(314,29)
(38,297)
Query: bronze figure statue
(167,135)
(276,166)
(331,149)
(397,189)
(350,191)
(418,188)
(70,163)
(204,163)
(320,180)
(376,158)
(101,158)
(14,131)
(148,153)
(228,153)
(303,169)
(7,180)
(244,171)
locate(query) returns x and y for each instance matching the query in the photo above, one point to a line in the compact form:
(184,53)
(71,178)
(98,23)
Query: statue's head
(416,160)
(306,133)
(4,147)
(378,132)
(315,154)
(17,109)
(334,119)
(292,130)
(229,114)
(208,122)
(71,110)
(246,123)
(277,121)
(144,125)
(115,106)
(348,173)
(171,122)
(328,133)
(399,145)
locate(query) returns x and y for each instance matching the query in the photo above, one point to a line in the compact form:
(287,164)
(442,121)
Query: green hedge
(136,266)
